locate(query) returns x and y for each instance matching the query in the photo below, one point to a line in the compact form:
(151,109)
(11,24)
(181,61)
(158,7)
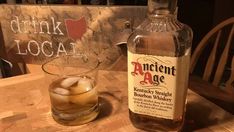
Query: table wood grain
(25,107)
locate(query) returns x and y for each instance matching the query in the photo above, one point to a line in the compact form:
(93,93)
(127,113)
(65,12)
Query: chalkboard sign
(34,33)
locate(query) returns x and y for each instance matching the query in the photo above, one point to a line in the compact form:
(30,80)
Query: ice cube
(59,96)
(61,91)
(68,82)
(89,97)
(84,85)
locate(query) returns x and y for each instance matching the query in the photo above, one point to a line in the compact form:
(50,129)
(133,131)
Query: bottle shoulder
(163,27)
(162,37)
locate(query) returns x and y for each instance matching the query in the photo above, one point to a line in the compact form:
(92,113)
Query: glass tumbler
(72,88)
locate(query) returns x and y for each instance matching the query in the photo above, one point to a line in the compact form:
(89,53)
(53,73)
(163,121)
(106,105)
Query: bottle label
(157,85)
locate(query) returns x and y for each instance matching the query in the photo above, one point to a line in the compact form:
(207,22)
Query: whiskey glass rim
(44,65)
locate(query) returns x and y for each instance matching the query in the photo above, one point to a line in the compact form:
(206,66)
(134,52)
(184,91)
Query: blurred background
(200,15)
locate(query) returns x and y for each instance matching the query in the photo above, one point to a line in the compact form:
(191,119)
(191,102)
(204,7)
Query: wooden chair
(216,62)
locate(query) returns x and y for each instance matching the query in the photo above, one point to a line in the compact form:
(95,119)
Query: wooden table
(25,107)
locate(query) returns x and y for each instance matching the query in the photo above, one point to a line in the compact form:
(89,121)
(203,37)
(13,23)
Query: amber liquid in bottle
(158,68)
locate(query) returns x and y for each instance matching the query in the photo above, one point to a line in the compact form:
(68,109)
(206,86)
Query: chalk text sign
(33,33)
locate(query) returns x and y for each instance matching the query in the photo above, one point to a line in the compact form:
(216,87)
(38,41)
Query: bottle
(158,69)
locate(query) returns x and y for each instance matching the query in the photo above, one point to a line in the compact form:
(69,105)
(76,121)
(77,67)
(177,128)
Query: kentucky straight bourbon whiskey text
(158,68)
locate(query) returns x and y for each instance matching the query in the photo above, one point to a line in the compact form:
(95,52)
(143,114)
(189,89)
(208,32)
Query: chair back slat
(197,52)
(229,83)
(211,59)
(200,47)
(223,59)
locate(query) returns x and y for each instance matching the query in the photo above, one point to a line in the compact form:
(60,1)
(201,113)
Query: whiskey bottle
(158,68)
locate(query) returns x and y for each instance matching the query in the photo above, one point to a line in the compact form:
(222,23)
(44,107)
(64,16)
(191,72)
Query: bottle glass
(158,68)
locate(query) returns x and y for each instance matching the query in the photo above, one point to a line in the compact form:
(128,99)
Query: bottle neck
(162,8)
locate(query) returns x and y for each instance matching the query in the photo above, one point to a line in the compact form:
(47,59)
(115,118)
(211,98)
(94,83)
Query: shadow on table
(110,103)
(105,108)
(199,116)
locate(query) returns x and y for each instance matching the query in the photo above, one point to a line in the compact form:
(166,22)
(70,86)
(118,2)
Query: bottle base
(154,124)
